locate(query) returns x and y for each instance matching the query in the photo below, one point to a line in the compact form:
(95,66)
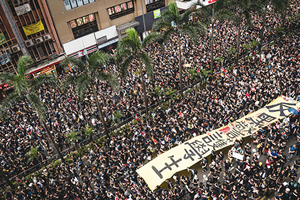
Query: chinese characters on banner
(22,9)
(33,28)
(192,151)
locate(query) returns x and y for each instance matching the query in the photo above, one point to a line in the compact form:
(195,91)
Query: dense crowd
(110,170)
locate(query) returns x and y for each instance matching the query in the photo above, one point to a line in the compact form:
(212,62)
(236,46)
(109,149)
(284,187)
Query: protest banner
(192,151)
(238,156)
(20,10)
(2,39)
(33,28)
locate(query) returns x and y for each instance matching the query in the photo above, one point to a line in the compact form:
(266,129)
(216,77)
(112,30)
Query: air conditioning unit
(47,37)
(15,48)
(39,40)
(29,43)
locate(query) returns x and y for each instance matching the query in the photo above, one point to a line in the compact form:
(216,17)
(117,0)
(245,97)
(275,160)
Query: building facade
(87,25)
(26,28)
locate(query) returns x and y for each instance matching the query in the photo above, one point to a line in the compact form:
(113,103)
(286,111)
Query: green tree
(237,11)
(158,91)
(88,130)
(33,154)
(171,93)
(25,88)
(117,116)
(194,74)
(172,23)
(73,136)
(130,49)
(85,76)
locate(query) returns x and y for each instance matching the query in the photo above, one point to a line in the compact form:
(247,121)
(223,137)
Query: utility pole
(143,18)
(12,23)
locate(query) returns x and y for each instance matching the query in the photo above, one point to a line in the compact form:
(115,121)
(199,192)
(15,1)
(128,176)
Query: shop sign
(156,13)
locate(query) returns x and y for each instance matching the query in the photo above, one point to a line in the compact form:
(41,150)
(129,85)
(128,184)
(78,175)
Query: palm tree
(236,10)
(172,23)
(117,116)
(73,136)
(33,154)
(85,76)
(88,130)
(158,91)
(130,49)
(171,93)
(25,88)
(194,74)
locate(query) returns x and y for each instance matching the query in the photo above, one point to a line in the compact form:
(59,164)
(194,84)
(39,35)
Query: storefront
(122,28)
(46,68)
(150,18)
(92,42)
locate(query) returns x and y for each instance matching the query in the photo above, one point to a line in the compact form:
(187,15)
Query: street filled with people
(107,170)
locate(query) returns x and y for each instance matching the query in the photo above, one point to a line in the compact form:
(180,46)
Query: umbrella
(293,111)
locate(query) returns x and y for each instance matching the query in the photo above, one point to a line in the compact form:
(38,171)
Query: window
(120,10)
(70,4)
(80,2)
(154,4)
(84,25)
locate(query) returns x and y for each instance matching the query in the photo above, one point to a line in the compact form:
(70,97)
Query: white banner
(192,151)
(23,9)
(238,156)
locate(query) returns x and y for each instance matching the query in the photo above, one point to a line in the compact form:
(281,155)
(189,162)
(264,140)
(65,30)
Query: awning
(122,28)
(44,65)
(108,43)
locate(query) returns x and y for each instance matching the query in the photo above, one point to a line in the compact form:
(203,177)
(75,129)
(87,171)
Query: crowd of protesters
(110,170)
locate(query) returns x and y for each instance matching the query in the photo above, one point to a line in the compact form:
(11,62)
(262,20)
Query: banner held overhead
(192,151)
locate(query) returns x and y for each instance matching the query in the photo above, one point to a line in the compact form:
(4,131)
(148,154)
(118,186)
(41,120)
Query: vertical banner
(2,39)
(192,151)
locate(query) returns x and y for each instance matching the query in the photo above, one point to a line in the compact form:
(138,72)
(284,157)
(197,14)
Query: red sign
(211,1)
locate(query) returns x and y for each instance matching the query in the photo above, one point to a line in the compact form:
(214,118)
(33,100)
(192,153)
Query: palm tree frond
(7,78)
(47,79)
(82,84)
(68,81)
(132,36)
(123,66)
(74,62)
(148,64)
(35,101)
(110,78)
(160,25)
(97,59)
(10,99)
(153,37)
(23,64)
